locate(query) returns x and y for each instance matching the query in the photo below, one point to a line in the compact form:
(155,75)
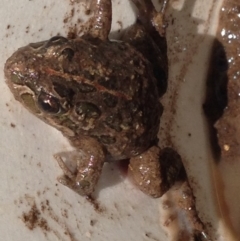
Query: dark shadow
(216,92)
(172,169)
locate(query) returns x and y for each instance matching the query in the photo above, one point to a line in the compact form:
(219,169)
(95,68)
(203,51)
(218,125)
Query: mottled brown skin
(102,95)
(228,125)
(223,103)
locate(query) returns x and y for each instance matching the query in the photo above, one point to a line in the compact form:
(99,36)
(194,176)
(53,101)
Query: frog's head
(36,75)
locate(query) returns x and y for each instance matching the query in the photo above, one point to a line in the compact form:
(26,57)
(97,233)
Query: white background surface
(28,170)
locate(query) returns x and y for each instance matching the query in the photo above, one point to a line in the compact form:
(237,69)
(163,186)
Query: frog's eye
(36,45)
(56,40)
(68,53)
(48,103)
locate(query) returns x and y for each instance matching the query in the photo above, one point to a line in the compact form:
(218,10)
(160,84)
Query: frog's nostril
(12,70)
(16,78)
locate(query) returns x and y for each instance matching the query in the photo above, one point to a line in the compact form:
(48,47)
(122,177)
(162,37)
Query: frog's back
(116,100)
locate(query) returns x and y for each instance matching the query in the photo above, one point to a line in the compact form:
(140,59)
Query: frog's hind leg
(150,41)
(149,17)
(156,170)
(102,19)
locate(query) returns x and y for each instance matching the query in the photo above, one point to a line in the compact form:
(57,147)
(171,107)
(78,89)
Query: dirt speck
(39,164)
(150,236)
(33,219)
(93,222)
(69,16)
(95,204)
(41,215)
(72,32)
(65,213)
(120,23)
(88,11)
(12,125)
(27,29)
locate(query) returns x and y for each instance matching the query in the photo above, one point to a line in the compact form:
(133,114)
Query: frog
(103,95)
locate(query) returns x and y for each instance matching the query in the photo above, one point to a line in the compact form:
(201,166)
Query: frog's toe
(85,187)
(82,187)
(66,170)
(66,181)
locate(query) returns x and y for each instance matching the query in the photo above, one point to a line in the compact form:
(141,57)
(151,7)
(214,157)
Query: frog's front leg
(87,162)
(102,19)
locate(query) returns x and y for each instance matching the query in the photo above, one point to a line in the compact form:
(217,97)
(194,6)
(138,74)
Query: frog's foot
(186,202)
(83,177)
(68,179)
(155,170)
(179,214)
(148,12)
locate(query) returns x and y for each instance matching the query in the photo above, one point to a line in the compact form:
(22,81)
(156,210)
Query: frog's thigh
(82,168)
(156,171)
(149,15)
(145,170)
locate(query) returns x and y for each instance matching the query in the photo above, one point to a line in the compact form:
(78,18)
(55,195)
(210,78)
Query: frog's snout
(14,68)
